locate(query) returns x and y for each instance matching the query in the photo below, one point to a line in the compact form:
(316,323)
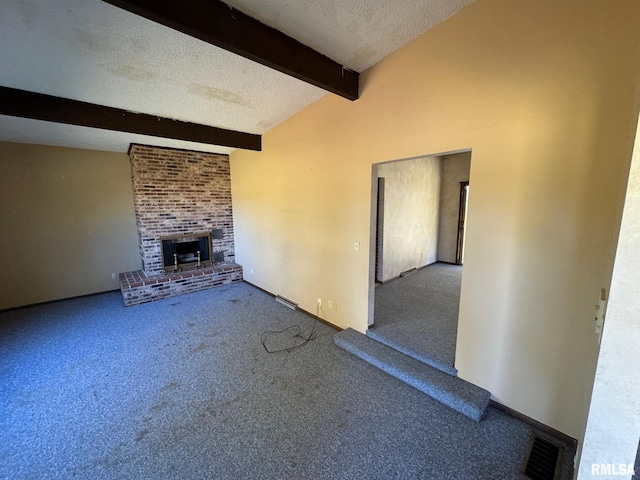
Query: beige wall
(455,169)
(411,209)
(67,222)
(545,93)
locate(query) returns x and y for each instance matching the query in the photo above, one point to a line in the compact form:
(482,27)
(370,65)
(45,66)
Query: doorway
(418,226)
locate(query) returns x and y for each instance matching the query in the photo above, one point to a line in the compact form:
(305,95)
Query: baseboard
(301,310)
(321,320)
(47,302)
(552,432)
(414,268)
(258,288)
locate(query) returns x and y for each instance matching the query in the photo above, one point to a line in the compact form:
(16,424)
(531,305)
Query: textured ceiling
(91,51)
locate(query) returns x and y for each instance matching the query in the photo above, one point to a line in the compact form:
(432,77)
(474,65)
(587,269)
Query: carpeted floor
(183,389)
(418,314)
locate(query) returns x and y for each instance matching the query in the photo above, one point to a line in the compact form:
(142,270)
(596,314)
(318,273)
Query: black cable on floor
(312,335)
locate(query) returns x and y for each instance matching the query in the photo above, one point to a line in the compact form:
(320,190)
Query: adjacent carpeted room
(417,314)
(183,388)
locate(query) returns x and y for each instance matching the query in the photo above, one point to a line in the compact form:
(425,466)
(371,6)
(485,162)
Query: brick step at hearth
(136,287)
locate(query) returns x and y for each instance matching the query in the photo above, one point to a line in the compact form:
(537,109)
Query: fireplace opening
(186,252)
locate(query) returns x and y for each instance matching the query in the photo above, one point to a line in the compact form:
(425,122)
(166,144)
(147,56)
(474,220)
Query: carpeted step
(462,396)
(393,338)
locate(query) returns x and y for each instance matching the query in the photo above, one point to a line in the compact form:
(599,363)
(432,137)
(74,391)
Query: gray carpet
(182,388)
(454,392)
(418,315)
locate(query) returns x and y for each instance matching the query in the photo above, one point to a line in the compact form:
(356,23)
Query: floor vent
(543,460)
(286,302)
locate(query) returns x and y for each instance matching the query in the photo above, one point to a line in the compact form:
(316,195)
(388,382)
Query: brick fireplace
(180,195)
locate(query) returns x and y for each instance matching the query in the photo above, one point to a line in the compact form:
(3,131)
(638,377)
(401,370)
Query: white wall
(614,416)
(455,169)
(411,211)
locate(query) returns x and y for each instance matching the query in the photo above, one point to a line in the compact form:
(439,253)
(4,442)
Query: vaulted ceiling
(95,52)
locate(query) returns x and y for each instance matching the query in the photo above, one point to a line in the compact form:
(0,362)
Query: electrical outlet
(319,302)
(356,246)
(330,304)
(113,276)
(335,306)
(252,271)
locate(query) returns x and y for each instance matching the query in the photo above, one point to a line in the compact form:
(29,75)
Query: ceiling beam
(20,103)
(217,23)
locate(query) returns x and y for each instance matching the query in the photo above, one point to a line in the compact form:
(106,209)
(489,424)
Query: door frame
(462,215)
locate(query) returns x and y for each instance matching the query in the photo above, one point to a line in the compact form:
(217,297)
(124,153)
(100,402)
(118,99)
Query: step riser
(449,369)
(453,392)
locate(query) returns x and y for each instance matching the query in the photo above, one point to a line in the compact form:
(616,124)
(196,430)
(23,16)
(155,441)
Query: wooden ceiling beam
(217,23)
(20,103)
